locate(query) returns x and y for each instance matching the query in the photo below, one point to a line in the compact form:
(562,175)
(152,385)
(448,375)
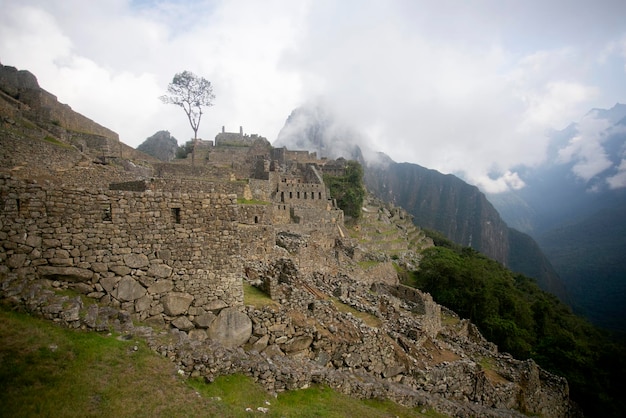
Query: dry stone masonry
(162,251)
(157,255)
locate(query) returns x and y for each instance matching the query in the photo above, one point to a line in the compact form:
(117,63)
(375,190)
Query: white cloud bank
(462,88)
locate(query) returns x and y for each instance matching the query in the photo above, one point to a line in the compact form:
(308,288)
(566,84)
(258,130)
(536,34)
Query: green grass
(449,319)
(316,401)
(256,297)
(50,371)
(368,318)
(367,264)
(56,142)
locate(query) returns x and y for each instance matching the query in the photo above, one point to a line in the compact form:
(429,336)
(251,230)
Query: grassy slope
(46,370)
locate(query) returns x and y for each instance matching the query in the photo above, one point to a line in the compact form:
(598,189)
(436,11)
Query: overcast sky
(461,86)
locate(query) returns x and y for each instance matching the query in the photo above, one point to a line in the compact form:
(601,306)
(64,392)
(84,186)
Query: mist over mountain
(314,127)
(574,205)
(585,171)
(441,202)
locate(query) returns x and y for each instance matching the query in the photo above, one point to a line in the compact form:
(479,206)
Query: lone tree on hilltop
(190,92)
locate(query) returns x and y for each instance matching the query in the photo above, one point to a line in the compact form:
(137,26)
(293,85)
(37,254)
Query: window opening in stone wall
(290,195)
(106,213)
(256,219)
(319,195)
(298,195)
(22,206)
(282,197)
(176,215)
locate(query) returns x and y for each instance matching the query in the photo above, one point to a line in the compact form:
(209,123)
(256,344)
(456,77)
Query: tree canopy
(192,93)
(511,310)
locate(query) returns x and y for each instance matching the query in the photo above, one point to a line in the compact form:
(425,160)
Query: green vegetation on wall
(348,189)
(184,150)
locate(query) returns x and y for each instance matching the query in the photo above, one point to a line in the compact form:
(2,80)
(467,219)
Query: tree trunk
(193,149)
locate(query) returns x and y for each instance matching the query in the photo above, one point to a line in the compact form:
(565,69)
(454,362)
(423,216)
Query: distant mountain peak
(316,128)
(613,115)
(161,145)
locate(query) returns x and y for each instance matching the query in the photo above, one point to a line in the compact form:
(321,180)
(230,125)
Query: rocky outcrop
(161,146)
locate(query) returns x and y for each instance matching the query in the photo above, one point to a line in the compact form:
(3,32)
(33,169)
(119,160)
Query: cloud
(34,36)
(462,88)
(585,150)
(618,180)
(112,60)
(438,100)
(501,183)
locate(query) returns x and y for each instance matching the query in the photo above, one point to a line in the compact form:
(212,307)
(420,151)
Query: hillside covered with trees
(511,311)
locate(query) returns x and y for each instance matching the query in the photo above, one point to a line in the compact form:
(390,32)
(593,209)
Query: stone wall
(156,254)
(230,155)
(417,302)
(181,169)
(261,189)
(256,214)
(229,137)
(41,157)
(308,194)
(301,156)
(317,216)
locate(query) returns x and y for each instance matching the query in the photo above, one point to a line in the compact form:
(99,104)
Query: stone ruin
(163,251)
(178,260)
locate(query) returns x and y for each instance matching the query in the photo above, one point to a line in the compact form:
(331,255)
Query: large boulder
(231,328)
(66,273)
(160,271)
(176,303)
(136,261)
(162,286)
(128,289)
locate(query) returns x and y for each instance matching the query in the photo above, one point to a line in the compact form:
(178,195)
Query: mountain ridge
(583,177)
(441,202)
(336,313)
